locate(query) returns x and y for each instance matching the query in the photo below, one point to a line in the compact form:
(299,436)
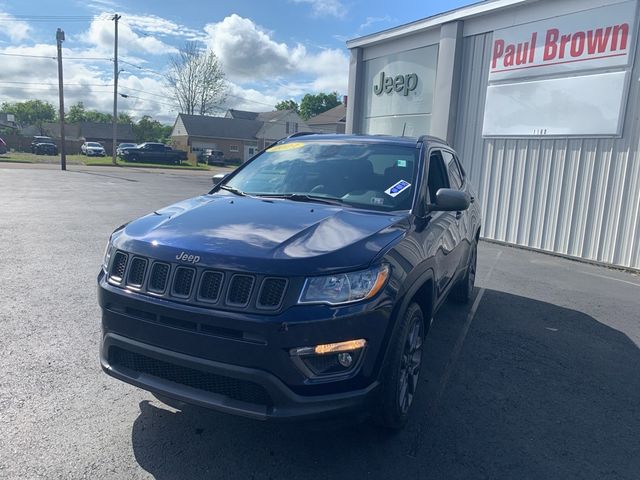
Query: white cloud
(326,8)
(101,36)
(249,54)
(14,29)
(370,21)
(87,81)
(153,24)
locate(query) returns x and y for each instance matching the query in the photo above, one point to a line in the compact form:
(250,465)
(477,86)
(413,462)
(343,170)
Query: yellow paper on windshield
(285,146)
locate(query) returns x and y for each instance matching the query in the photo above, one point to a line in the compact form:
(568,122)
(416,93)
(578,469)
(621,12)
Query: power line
(25,55)
(55,84)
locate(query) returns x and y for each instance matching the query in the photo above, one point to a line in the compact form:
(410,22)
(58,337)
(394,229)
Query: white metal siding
(576,196)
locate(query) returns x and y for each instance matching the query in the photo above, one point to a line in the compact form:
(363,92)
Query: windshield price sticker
(402,163)
(286,146)
(398,188)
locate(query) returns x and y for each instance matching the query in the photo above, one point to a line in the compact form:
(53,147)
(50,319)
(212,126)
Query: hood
(269,236)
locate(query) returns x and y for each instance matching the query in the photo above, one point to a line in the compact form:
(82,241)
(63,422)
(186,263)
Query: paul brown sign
(399,84)
(588,40)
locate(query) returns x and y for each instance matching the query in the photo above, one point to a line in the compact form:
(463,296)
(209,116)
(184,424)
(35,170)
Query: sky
(270,50)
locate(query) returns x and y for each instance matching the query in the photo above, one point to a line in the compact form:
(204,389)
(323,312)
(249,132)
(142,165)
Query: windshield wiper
(233,190)
(303,197)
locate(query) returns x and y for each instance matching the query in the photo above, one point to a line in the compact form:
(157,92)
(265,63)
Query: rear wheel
(463,291)
(401,375)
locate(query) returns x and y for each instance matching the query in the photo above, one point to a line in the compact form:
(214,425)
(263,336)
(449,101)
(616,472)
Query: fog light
(329,359)
(345,359)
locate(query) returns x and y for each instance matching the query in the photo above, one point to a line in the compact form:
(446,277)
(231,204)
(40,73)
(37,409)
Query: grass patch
(107,162)
(77,159)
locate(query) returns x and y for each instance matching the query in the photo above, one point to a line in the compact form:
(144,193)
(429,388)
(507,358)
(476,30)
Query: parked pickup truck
(154,152)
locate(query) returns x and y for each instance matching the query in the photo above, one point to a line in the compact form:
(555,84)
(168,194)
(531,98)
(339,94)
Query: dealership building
(541,100)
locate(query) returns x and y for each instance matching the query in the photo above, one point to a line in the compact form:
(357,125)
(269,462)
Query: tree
(196,79)
(312,105)
(288,105)
(31,112)
(147,129)
(78,113)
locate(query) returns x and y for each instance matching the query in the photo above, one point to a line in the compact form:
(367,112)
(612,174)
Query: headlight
(345,287)
(107,256)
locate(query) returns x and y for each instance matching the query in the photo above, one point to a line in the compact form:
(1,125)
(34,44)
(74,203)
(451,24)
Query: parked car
(3,147)
(302,285)
(124,146)
(42,145)
(154,152)
(213,157)
(92,149)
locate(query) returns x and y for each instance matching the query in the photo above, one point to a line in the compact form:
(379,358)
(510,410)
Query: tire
(463,291)
(133,158)
(401,374)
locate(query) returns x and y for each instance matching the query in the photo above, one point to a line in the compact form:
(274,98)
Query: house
(8,120)
(276,125)
(331,121)
(235,137)
(239,134)
(103,133)
(83,131)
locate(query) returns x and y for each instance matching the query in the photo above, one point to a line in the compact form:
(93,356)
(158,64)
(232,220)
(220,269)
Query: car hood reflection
(268,234)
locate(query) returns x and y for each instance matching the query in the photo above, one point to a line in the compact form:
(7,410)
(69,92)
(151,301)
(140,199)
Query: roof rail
(431,138)
(300,134)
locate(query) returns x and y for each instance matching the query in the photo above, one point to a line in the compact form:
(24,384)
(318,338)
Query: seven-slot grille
(159,277)
(209,286)
(240,290)
(271,293)
(136,272)
(182,281)
(118,266)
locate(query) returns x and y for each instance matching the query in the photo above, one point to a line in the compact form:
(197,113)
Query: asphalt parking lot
(538,379)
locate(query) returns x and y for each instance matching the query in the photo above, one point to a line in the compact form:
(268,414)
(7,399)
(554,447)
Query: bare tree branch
(197,80)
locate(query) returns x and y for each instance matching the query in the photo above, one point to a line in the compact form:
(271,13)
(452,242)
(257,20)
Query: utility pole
(116,72)
(63,154)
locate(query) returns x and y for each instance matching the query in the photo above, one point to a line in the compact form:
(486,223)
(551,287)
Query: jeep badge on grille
(185,257)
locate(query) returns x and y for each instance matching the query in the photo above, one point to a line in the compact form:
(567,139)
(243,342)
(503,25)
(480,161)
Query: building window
(291,127)
(234,148)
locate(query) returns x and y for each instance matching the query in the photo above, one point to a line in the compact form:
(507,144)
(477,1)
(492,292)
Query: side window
(455,176)
(437,175)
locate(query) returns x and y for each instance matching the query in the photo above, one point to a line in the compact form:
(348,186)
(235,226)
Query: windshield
(125,145)
(364,175)
(94,144)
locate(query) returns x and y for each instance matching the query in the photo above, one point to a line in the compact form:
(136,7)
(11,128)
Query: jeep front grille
(182,281)
(210,286)
(135,278)
(159,277)
(272,292)
(240,290)
(197,285)
(119,266)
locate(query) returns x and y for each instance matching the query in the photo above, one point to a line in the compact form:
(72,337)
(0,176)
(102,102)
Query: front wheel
(402,372)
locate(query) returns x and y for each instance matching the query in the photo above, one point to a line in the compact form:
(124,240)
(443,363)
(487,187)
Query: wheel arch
(422,291)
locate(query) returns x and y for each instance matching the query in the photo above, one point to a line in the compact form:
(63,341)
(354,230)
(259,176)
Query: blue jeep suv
(301,285)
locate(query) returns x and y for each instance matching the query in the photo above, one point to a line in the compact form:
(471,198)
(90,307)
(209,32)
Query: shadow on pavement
(539,391)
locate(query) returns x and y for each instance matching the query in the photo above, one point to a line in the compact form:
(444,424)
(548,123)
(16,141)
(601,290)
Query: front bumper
(250,373)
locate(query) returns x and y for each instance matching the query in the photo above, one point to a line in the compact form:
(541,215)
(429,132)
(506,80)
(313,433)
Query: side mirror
(449,200)
(216,179)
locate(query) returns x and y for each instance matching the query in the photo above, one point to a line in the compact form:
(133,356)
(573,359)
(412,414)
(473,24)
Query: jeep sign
(400,83)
